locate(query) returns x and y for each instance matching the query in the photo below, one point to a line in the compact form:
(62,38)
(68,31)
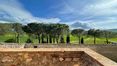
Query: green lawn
(90,40)
(5,37)
(87,40)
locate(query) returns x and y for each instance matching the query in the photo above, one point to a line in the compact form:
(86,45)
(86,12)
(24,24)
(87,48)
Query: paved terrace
(52,57)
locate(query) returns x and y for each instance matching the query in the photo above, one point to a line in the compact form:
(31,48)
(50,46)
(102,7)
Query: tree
(94,33)
(17,28)
(107,34)
(67,33)
(78,32)
(28,30)
(68,39)
(61,33)
(62,30)
(82,40)
(2,30)
(34,28)
(40,32)
(5,28)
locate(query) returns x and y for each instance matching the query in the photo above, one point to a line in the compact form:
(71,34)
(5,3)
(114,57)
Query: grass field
(87,40)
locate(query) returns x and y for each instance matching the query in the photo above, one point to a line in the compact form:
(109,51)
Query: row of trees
(96,33)
(52,33)
(48,33)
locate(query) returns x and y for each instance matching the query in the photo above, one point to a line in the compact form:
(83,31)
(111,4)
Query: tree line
(52,33)
(48,33)
(95,33)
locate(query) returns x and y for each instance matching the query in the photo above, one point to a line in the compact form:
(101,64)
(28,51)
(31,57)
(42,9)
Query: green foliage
(77,32)
(68,39)
(50,32)
(73,39)
(54,33)
(29,41)
(93,32)
(5,28)
(10,41)
(17,27)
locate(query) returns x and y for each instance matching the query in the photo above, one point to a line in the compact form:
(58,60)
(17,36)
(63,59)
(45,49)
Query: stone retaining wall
(52,57)
(40,58)
(106,50)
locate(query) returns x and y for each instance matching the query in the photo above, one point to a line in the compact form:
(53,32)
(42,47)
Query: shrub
(29,41)
(10,41)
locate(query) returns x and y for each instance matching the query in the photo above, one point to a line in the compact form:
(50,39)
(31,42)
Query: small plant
(29,41)
(10,41)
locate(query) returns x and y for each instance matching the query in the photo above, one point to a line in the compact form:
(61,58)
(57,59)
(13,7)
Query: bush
(10,41)
(29,41)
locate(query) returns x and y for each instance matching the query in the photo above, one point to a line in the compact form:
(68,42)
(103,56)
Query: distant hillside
(80,25)
(113,30)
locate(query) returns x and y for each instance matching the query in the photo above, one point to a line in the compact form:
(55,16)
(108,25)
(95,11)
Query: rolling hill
(112,30)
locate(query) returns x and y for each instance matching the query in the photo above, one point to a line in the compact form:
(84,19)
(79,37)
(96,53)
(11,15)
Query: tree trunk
(62,40)
(57,39)
(82,40)
(17,40)
(50,39)
(94,39)
(68,39)
(107,41)
(53,39)
(42,37)
(79,39)
(39,41)
(47,38)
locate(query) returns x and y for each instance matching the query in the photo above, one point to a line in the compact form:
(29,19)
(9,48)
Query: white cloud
(100,14)
(102,8)
(13,11)
(48,20)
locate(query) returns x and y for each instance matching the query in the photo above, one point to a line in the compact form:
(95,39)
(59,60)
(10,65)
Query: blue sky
(99,14)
